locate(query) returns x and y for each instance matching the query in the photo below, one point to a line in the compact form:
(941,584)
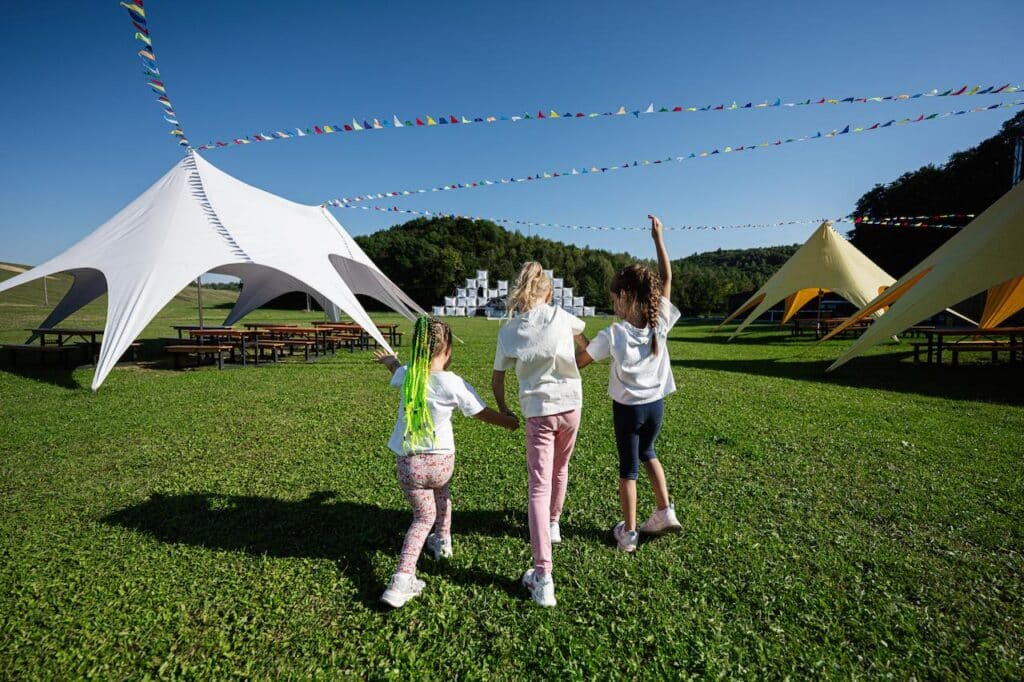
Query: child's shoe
(626,539)
(556,533)
(541,589)
(440,547)
(662,521)
(402,588)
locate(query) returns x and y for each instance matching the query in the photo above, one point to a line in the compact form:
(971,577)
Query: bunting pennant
(856,220)
(137,13)
(448,119)
(668,159)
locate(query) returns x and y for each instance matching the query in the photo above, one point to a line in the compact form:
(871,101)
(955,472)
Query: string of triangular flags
(137,13)
(452,119)
(902,221)
(547,175)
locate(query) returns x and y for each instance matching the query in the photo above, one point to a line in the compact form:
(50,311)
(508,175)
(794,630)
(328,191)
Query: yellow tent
(826,262)
(987,254)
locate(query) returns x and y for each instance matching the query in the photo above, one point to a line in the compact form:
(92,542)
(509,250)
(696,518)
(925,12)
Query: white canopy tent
(826,262)
(198,219)
(988,254)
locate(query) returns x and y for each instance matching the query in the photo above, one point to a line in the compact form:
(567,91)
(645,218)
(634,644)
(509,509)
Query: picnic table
(241,336)
(181,328)
(967,339)
(390,329)
(318,334)
(821,327)
(88,337)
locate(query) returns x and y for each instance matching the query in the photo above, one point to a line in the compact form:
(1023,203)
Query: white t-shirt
(636,376)
(445,392)
(539,344)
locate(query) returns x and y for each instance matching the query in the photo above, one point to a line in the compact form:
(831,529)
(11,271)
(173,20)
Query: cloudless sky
(82,135)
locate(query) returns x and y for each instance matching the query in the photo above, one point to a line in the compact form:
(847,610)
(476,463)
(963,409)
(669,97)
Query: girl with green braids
(424,446)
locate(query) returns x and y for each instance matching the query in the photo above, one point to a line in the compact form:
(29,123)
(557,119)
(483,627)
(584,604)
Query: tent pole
(199,298)
(46,294)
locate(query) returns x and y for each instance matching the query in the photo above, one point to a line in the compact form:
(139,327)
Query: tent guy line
(548,175)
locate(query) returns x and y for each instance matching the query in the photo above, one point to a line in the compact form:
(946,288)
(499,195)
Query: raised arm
(664,266)
(389,360)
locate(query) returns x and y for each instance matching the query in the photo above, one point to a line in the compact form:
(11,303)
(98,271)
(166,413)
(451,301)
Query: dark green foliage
(970,182)
(703,282)
(429,258)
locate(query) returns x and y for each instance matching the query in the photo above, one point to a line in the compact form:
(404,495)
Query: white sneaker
(541,589)
(556,533)
(662,521)
(438,546)
(402,588)
(626,539)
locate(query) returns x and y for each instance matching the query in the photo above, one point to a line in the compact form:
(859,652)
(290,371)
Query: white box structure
(437,310)
(477,296)
(588,311)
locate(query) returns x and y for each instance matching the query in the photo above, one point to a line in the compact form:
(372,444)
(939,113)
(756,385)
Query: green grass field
(210,524)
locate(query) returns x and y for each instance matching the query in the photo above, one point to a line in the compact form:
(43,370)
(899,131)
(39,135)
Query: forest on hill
(429,258)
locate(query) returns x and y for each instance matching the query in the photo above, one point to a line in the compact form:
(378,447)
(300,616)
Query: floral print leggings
(424,480)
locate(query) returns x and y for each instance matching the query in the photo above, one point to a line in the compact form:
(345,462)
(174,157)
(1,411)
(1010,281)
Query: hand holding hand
(655,226)
(385,358)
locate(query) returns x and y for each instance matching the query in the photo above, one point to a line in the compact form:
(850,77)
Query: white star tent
(826,262)
(198,219)
(988,254)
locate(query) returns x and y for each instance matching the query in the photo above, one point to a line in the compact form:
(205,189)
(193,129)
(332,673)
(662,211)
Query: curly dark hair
(640,290)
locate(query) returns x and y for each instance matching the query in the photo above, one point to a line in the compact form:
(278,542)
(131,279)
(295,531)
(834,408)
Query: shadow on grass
(981,382)
(47,374)
(320,527)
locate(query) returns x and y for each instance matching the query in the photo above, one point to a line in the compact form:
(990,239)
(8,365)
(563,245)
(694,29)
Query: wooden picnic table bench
(63,353)
(200,351)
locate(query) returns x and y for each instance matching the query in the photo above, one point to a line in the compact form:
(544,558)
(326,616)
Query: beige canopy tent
(826,262)
(988,254)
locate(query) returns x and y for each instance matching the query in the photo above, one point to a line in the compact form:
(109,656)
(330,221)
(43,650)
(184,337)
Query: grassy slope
(246,521)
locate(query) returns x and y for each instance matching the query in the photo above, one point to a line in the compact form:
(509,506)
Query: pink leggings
(424,481)
(549,444)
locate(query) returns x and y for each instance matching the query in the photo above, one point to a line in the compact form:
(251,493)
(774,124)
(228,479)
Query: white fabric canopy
(198,219)
(826,262)
(985,254)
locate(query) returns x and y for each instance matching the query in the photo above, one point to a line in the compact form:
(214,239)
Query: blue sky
(82,135)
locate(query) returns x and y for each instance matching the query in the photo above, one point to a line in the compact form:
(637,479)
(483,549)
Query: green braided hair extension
(419,425)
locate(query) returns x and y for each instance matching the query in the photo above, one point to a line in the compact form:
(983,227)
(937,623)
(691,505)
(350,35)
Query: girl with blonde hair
(538,342)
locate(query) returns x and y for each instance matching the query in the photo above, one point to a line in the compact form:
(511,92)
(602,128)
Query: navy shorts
(636,429)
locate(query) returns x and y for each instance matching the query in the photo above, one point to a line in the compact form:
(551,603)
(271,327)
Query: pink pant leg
(421,477)
(549,444)
(565,442)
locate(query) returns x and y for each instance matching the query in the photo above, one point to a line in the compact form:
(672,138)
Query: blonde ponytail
(532,283)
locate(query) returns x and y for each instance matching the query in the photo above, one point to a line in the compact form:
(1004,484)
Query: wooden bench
(200,352)
(346,340)
(981,347)
(62,352)
(292,344)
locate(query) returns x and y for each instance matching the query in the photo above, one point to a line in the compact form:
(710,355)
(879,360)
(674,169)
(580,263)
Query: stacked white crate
(480,291)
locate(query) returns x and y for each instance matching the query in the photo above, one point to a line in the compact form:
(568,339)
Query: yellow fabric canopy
(988,254)
(826,262)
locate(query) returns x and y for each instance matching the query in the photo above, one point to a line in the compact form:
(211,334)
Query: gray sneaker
(402,588)
(439,547)
(542,590)
(662,521)
(626,539)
